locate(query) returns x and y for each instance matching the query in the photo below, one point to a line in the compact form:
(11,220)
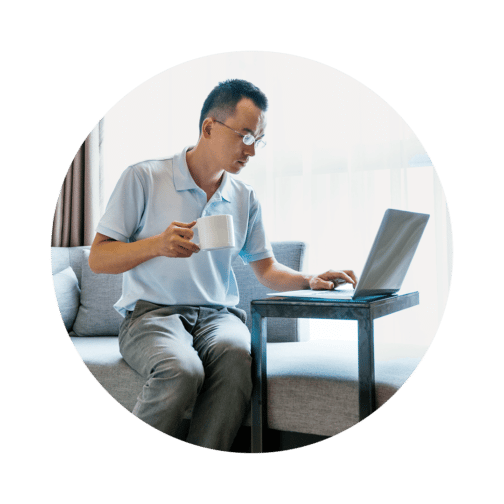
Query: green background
(64,66)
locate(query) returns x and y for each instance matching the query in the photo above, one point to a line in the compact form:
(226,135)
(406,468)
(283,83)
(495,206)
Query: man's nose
(250,149)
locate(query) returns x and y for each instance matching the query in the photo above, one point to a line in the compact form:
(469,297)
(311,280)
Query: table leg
(259,393)
(366,368)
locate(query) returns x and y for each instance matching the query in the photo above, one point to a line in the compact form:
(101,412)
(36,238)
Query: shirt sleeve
(123,214)
(257,245)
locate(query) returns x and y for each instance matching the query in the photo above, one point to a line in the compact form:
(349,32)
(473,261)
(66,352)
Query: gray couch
(312,385)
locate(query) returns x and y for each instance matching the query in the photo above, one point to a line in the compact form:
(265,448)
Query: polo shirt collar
(183,181)
(181,175)
(226,188)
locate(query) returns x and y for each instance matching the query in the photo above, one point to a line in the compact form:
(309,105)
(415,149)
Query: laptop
(388,261)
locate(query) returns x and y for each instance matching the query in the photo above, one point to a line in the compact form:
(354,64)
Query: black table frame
(365,312)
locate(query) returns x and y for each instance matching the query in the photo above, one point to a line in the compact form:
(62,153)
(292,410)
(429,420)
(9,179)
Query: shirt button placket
(204,213)
(206,210)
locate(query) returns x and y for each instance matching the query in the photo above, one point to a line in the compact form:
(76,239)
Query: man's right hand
(175,241)
(113,257)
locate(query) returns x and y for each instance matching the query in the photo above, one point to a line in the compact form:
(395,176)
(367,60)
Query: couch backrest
(291,254)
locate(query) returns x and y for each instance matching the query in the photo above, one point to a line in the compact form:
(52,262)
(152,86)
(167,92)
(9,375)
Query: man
(182,330)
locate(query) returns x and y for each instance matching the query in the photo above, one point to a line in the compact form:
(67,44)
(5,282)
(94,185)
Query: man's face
(231,152)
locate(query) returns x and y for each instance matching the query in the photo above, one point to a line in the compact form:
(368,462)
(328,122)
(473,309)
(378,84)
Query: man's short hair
(222,101)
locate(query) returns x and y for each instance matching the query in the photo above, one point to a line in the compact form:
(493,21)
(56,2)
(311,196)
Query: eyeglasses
(248,139)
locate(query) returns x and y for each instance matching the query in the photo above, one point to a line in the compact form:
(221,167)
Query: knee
(240,369)
(233,350)
(235,363)
(187,373)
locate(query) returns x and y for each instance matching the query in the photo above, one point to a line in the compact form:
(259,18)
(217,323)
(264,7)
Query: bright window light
(337,157)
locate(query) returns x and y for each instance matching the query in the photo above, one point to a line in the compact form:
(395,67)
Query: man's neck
(208,177)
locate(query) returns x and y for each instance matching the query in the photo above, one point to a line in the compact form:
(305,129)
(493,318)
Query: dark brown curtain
(80,202)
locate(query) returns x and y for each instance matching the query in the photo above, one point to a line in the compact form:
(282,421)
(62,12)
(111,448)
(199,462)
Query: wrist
(155,246)
(308,281)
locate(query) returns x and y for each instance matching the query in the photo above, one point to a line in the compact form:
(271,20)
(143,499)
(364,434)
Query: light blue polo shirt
(148,197)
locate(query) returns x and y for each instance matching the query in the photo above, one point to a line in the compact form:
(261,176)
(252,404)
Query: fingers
(176,240)
(181,251)
(184,246)
(346,277)
(332,279)
(183,229)
(351,274)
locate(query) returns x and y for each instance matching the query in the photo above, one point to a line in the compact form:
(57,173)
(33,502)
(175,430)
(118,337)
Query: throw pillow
(99,293)
(67,290)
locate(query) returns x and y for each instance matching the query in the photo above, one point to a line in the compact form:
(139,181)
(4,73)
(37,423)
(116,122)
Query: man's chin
(238,167)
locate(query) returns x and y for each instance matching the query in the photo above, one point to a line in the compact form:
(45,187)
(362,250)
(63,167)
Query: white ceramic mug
(215,232)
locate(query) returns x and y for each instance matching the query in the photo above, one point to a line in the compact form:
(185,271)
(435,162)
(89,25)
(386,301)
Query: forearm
(114,257)
(278,277)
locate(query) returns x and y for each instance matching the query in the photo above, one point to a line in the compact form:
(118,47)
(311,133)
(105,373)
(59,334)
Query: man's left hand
(331,279)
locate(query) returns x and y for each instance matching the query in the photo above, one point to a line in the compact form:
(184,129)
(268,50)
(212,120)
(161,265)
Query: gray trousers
(193,358)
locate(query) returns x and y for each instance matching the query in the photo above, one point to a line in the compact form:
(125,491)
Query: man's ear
(206,127)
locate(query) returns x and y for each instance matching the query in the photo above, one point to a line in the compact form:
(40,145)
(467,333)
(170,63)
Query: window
(337,157)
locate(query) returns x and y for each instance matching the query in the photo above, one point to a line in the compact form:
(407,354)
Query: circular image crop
(300,310)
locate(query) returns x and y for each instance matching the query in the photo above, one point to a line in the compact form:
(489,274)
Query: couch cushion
(67,290)
(62,257)
(312,386)
(102,357)
(99,293)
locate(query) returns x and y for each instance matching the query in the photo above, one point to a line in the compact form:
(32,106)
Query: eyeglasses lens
(249,140)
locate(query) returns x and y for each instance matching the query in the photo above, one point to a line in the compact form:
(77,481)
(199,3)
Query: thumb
(318,283)
(184,224)
(327,284)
